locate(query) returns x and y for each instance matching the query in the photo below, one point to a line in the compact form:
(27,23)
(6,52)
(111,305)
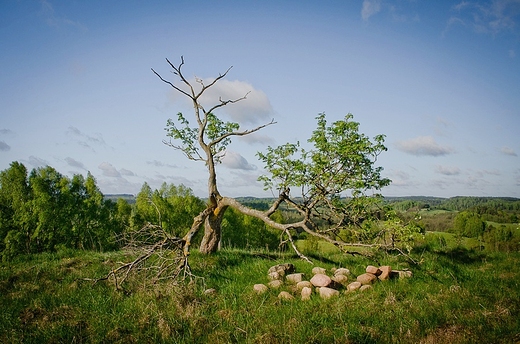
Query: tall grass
(456,295)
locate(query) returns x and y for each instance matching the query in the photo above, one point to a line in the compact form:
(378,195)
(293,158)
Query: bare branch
(204,88)
(184,151)
(240,133)
(172,85)
(226,102)
(149,242)
(301,255)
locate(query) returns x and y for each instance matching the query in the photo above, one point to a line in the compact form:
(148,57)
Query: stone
(285,296)
(211,291)
(294,278)
(282,269)
(365,287)
(366,278)
(274,275)
(275,284)
(306,293)
(341,271)
(405,274)
(260,288)
(317,270)
(303,284)
(354,286)
(321,280)
(327,293)
(373,270)
(340,279)
(385,272)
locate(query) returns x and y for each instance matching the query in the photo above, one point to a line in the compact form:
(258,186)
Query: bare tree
(207,142)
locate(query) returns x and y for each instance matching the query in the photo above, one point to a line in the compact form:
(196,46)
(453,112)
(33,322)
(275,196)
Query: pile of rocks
(283,276)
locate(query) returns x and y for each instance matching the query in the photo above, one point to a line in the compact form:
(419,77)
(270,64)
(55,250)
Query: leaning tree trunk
(213,223)
(212,231)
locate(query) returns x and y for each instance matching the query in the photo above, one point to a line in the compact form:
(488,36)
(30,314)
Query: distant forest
(405,203)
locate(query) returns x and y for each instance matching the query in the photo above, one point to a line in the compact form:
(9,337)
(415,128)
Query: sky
(441,79)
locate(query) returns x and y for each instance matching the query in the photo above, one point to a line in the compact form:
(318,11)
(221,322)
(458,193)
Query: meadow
(458,294)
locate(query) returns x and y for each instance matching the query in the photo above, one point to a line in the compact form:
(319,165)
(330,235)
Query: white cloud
(488,17)
(54,20)
(74,163)
(423,145)
(508,151)
(86,140)
(482,173)
(109,170)
(6,132)
(37,162)
(441,127)
(126,172)
(370,7)
(256,138)
(447,170)
(255,108)
(4,147)
(236,161)
(158,163)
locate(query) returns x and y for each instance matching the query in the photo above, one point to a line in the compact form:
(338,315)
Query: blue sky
(441,79)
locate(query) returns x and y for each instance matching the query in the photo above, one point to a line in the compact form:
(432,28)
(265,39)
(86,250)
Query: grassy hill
(456,295)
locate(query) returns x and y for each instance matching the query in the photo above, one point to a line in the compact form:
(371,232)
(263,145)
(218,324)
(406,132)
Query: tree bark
(212,231)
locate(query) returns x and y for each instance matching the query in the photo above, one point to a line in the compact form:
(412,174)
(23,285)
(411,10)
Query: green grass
(455,296)
(427,212)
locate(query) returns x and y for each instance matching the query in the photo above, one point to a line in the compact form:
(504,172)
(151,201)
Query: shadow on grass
(461,255)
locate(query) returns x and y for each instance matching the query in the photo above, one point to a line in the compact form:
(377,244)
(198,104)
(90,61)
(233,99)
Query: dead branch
(159,256)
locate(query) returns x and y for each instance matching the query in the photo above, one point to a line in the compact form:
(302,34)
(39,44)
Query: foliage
(469,224)
(501,237)
(171,207)
(335,178)
(243,231)
(45,211)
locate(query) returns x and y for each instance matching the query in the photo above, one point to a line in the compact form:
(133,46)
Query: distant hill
(127,197)
(405,202)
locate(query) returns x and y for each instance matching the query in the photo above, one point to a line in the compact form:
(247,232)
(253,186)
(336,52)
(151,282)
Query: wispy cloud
(74,163)
(37,162)
(236,161)
(86,140)
(256,138)
(423,145)
(442,127)
(487,17)
(109,170)
(4,147)
(508,151)
(370,7)
(57,20)
(447,170)
(126,172)
(6,132)
(398,11)
(158,163)
(400,178)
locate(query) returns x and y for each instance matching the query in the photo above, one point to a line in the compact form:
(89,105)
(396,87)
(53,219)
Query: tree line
(44,211)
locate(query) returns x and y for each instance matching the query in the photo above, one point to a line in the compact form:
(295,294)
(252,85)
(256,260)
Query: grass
(456,295)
